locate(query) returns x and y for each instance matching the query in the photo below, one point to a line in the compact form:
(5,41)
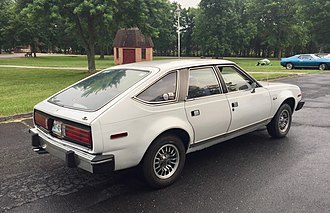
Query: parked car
(305,61)
(151,114)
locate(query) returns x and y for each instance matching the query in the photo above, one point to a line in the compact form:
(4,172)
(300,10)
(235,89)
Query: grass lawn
(21,89)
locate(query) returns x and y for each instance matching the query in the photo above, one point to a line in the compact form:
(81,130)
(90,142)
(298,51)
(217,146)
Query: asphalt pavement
(251,173)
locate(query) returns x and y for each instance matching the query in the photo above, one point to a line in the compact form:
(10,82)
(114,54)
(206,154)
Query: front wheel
(164,161)
(289,66)
(322,67)
(281,122)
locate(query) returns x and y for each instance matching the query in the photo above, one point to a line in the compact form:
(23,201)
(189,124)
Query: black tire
(164,161)
(281,122)
(323,67)
(289,66)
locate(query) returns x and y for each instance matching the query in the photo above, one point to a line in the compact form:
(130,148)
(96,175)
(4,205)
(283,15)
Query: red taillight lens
(40,120)
(77,134)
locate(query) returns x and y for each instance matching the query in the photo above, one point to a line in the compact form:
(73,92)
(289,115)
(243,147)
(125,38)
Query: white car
(152,114)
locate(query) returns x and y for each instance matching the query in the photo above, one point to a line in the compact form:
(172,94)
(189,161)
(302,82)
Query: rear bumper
(300,105)
(73,157)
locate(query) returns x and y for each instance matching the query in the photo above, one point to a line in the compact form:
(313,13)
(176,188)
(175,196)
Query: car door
(306,61)
(301,62)
(315,61)
(249,105)
(206,105)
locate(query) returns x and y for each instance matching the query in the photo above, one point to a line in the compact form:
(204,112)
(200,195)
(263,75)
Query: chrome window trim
(216,77)
(204,97)
(177,89)
(242,72)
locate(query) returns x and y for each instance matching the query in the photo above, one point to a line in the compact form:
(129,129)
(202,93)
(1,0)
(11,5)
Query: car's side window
(234,80)
(203,82)
(305,57)
(163,90)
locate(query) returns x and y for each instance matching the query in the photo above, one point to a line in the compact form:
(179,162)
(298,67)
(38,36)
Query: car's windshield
(94,92)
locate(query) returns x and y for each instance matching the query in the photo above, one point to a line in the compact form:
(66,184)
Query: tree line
(247,28)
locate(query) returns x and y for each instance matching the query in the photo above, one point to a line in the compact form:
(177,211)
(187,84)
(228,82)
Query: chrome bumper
(73,157)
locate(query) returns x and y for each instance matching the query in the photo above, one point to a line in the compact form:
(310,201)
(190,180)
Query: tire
(281,122)
(164,161)
(289,66)
(323,67)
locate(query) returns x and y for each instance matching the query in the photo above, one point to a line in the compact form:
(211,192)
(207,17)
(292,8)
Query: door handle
(233,105)
(195,113)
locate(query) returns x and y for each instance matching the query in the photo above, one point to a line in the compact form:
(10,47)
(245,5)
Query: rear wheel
(289,66)
(323,67)
(164,161)
(281,122)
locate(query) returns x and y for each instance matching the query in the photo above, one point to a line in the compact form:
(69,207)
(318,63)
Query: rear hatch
(96,91)
(70,114)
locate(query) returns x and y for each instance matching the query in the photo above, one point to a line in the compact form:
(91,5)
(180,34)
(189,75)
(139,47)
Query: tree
(34,24)
(86,15)
(100,17)
(315,15)
(218,27)
(278,24)
(165,22)
(6,17)
(264,28)
(188,24)
(153,17)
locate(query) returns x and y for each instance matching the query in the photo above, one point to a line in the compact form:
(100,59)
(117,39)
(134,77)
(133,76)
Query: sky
(187,3)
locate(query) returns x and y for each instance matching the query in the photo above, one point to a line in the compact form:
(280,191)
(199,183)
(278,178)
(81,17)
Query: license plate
(57,128)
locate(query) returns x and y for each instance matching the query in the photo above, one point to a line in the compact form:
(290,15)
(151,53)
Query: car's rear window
(94,92)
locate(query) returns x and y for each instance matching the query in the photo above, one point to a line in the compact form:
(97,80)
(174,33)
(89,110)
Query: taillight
(63,130)
(40,120)
(77,134)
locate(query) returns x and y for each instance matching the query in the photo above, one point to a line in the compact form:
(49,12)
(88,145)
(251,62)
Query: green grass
(21,89)
(58,61)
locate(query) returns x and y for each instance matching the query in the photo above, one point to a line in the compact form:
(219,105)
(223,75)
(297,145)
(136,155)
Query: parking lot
(251,173)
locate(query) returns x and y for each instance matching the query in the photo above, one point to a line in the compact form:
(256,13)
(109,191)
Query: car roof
(306,55)
(172,64)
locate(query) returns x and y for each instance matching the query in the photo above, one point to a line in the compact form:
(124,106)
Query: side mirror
(253,85)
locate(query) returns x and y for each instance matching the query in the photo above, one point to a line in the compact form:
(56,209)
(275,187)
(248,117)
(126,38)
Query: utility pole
(178,11)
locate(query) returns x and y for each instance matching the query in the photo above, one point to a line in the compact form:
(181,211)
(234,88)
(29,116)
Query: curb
(14,117)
